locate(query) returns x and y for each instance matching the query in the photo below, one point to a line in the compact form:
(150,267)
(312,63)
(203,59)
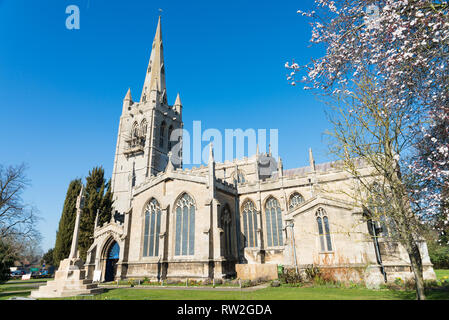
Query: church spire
(155,77)
(128,96)
(178,105)
(311,160)
(178,101)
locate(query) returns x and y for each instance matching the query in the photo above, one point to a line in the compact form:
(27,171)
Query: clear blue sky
(61,90)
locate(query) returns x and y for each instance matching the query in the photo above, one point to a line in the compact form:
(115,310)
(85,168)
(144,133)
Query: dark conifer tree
(66,223)
(98,197)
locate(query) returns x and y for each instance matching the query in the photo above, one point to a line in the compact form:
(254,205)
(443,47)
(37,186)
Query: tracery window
(225,223)
(323,230)
(295,200)
(273,216)
(184,226)
(152,228)
(249,217)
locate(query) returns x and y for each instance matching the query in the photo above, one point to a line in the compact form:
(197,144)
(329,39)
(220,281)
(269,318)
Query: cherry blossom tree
(385,72)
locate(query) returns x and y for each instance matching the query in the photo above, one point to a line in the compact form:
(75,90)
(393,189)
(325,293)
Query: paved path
(149,287)
(26,285)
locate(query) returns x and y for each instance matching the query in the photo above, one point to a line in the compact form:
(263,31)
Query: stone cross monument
(70,277)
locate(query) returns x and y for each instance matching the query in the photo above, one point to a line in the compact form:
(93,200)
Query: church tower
(145,128)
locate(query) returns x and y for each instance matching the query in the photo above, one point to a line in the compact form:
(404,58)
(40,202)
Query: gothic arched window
(170,130)
(295,200)
(143,128)
(323,230)
(162,134)
(249,217)
(225,223)
(185,226)
(273,215)
(152,229)
(135,130)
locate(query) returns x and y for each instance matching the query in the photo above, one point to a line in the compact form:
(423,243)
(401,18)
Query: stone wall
(256,271)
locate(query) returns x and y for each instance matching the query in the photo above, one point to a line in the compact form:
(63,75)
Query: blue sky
(61,90)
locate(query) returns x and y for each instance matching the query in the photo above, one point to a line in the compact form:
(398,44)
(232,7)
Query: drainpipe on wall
(376,246)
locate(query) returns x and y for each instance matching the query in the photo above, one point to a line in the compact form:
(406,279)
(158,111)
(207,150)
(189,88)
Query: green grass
(19,288)
(440,273)
(7,295)
(15,281)
(279,293)
(12,288)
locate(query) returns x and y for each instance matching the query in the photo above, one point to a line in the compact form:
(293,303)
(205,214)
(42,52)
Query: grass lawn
(7,295)
(22,288)
(440,273)
(279,293)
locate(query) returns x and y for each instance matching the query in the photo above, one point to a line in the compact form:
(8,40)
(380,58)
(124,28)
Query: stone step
(80,286)
(47,293)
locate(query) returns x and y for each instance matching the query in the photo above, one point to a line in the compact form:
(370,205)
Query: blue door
(111,262)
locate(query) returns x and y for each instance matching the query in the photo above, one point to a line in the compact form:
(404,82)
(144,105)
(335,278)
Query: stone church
(209,222)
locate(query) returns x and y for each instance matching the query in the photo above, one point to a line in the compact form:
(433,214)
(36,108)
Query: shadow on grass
(7,295)
(431,294)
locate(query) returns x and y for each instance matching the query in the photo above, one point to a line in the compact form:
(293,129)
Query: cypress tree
(98,196)
(66,223)
(106,205)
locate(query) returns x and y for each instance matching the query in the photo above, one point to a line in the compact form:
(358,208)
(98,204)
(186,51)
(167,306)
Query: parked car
(45,273)
(17,273)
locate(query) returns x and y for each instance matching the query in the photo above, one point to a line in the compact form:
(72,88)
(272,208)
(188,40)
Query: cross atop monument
(79,207)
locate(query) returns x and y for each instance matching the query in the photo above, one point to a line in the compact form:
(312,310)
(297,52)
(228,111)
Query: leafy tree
(98,198)
(18,221)
(439,255)
(66,223)
(432,166)
(385,72)
(7,257)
